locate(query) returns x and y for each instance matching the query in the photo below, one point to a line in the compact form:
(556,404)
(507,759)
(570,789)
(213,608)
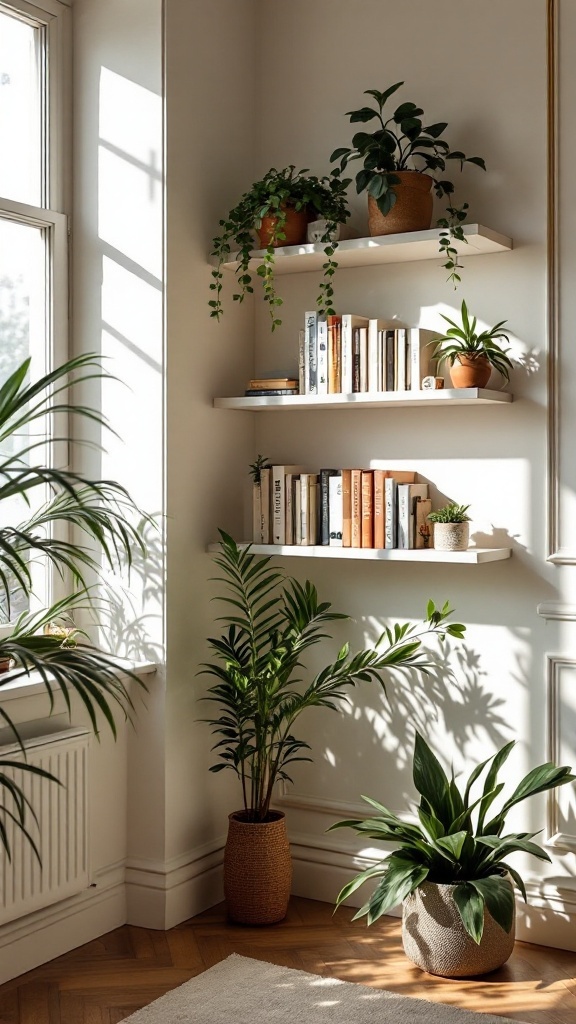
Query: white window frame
(53,18)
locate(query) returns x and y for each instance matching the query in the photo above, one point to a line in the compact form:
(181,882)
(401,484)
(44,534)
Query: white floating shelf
(473,556)
(362,252)
(387,400)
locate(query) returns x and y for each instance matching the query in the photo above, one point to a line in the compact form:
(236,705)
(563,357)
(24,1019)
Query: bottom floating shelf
(473,556)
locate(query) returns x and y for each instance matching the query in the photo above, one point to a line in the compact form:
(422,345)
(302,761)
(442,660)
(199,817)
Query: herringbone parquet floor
(106,980)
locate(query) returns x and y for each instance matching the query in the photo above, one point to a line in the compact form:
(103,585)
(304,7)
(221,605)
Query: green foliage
(261,690)
(404,143)
(450,514)
(452,842)
(322,197)
(463,339)
(256,467)
(98,515)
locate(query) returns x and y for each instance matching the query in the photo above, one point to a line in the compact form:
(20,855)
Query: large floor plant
(262,686)
(100,520)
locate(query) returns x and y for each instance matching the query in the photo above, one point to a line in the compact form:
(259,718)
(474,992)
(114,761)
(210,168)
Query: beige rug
(243,991)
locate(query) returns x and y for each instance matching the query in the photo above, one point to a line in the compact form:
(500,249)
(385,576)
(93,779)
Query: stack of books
(354,508)
(262,386)
(351,354)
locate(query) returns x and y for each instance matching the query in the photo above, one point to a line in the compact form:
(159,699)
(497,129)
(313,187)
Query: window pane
(20,111)
(23,326)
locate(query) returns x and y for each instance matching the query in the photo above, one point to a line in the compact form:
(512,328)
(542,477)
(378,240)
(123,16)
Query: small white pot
(451,536)
(317,229)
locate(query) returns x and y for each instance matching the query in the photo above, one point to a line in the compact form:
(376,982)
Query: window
(33,224)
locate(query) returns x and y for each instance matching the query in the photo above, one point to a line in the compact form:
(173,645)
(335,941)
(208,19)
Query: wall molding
(163,894)
(557,610)
(552,284)
(556,839)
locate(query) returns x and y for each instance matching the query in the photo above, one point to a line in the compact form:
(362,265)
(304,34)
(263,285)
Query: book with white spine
(335,510)
(322,355)
(420,354)
(407,497)
(310,353)
(278,484)
(349,321)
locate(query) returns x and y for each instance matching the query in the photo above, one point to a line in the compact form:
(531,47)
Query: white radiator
(61,833)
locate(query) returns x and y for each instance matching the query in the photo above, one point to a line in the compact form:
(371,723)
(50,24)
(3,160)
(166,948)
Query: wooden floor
(106,980)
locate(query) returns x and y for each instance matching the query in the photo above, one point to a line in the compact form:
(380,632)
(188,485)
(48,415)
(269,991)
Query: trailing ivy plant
(403,142)
(261,687)
(270,197)
(455,842)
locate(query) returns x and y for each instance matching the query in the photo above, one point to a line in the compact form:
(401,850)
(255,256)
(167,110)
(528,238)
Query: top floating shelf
(363,252)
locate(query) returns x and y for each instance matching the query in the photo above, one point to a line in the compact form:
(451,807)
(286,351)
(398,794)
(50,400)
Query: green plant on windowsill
(450,514)
(99,516)
(403,143)
(272,200)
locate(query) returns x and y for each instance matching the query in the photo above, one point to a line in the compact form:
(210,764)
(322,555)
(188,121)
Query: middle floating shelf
(386,400)
(472,556)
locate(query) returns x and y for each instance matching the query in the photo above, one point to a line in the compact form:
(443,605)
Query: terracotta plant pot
(470,371)
(257,869)
(294,228)
(451,536)
(435,939)
(412,210)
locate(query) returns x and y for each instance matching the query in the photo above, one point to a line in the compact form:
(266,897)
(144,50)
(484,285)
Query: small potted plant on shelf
(277,210)
(274,621)
(472,355)
(401,161)
(451,527)
(450,868)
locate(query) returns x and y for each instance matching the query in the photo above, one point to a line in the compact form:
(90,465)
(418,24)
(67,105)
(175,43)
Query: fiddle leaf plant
(403,142)
(271,197)
(262,686)
(456,840)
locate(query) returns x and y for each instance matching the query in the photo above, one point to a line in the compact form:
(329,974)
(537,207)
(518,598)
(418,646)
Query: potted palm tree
(259,692)
(402,161)
(471,354)
(101,518)
(450,868)
(276,210)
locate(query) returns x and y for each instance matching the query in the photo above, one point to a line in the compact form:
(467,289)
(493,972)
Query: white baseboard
(322,866)
(162,895)
(33,940)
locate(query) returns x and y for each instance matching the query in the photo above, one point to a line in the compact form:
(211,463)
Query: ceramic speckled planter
(451,536)
(435,939)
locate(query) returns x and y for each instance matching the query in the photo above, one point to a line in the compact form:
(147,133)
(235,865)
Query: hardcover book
(310,353)
(420,355)
(407,497)
(322,356)
(356,507)
(346,508)
(324,476)
(422,528)
(379,508)
(265,518)
(334,355)
(367,527)
(335,510)
(349,321)
(278,485)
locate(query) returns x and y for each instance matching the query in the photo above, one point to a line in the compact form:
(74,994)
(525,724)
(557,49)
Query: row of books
(350,354)
(356,508)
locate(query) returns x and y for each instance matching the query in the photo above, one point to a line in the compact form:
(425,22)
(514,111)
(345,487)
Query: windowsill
(31,685)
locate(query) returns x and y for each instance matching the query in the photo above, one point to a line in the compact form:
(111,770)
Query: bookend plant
(256,468)
(260,687)
(270,197)
(402,143)
(99,515)
(464,339)
(455,841)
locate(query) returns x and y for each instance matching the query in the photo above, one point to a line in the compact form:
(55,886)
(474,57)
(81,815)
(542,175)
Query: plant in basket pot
(450,868)
(276,210)
(261,690)
(402,161)
(472,354)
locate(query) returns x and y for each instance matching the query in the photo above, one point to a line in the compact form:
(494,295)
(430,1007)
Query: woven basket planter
(257,869)
(412,210)
(435,939)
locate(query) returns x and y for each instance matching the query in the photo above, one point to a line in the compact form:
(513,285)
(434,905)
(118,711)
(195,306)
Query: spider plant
(260,689)
(99,515)
(464,340)
(455,840)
